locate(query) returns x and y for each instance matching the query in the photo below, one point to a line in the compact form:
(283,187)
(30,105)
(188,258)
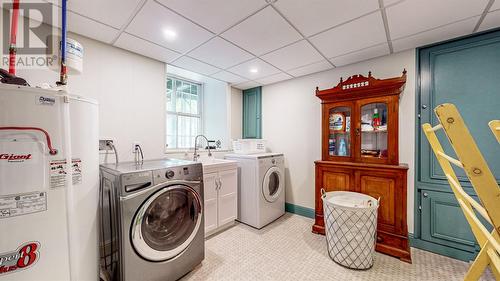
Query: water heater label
(76,170)
(22,204)
(58,171)
(45,100)
(24,257)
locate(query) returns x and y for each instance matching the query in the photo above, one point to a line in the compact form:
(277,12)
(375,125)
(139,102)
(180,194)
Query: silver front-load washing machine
(151,219)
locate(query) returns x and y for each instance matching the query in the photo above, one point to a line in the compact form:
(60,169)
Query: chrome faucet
(196,156)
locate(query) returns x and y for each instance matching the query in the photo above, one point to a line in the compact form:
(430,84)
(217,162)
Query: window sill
(191,151)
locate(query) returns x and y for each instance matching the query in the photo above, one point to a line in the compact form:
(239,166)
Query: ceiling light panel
(312,16)
(263,32)
(263,69)
(152,21)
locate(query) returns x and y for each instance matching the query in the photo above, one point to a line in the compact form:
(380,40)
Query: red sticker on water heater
(24,257)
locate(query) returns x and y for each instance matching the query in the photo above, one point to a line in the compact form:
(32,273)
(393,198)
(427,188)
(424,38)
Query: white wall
(130,90)
(291,122)
(236,113)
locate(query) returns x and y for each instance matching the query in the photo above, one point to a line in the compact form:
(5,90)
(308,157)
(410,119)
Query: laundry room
(271,140)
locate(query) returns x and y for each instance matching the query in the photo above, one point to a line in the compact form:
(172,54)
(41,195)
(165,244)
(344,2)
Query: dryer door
(166,223)
(272,187)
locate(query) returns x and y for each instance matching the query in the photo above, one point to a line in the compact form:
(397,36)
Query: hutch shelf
(360,154)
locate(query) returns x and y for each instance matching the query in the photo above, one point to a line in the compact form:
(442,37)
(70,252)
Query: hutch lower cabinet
(360,154)
(387,183)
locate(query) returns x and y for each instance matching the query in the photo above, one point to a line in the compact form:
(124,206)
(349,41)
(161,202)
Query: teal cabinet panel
(463,72)
(443,221)
(252,108)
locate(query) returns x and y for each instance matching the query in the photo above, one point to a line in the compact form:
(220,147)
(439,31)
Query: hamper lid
(346,199)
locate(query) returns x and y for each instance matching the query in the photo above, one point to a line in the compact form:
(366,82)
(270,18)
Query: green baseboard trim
(441,250)
(299,210)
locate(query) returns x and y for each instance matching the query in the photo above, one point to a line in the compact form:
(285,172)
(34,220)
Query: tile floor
(287,250)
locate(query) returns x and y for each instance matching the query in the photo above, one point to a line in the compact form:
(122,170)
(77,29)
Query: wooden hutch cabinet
(360,154)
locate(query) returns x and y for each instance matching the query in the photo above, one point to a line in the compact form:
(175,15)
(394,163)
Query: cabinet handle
(220,183)
(426,194)
(357,131)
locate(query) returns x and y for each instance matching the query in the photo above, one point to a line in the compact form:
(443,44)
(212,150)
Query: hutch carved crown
(360,154)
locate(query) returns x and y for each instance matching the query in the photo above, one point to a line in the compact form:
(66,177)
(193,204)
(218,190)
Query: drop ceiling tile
(220,53)
(195,66)
(361,33)
(152,21)
(274,78)
(90,28)
(247,85)
(112,12)
(229,77)
(491,20)
(263,69)
(311,68)
(293,56)
(262,32)
(361,55)
(145,48)
(436,35)
(411,17)
(312,16)
(215,15)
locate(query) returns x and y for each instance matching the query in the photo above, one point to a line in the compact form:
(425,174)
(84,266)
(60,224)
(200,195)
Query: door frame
(415,239)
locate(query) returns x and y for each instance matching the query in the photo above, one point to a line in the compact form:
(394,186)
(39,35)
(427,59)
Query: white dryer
(261,187)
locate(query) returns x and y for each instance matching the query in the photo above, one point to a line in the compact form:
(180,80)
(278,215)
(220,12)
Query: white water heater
(49,181)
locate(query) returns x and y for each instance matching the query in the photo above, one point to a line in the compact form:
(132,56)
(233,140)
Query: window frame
(167,112)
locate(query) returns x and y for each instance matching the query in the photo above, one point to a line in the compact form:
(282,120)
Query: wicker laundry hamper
(351,227)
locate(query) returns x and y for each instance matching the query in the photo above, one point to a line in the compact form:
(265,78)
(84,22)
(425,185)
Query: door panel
(337,180)
(210,194)
(228,196)
(382,187)
(443,221)
(252,105)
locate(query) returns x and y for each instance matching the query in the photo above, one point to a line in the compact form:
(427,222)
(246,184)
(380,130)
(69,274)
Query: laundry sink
(211,164)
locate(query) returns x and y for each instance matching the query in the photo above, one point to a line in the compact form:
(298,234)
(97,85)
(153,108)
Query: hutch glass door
(339,131)
(374,131)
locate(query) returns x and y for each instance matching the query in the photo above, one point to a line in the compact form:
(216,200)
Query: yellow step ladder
(484,183)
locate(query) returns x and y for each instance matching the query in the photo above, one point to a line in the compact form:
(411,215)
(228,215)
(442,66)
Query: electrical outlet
(103,144)
(135,144)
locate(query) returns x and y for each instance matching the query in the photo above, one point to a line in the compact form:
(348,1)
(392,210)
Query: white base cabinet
(221,199)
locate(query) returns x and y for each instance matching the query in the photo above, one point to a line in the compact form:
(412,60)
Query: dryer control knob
(169,174)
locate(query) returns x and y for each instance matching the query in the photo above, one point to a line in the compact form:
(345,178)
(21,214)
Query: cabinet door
(386,187)
(228,198)
(377,130)
(210,194)
(337,134)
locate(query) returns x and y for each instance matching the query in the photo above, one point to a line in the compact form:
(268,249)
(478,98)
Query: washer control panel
(189,172)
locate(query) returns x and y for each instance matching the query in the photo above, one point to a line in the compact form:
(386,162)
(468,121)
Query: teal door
(465,72)
(252,108)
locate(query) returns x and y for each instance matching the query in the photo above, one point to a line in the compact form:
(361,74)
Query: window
(184,100)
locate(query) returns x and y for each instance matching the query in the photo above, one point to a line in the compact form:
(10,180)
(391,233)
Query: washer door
(166,223)
(272,187)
